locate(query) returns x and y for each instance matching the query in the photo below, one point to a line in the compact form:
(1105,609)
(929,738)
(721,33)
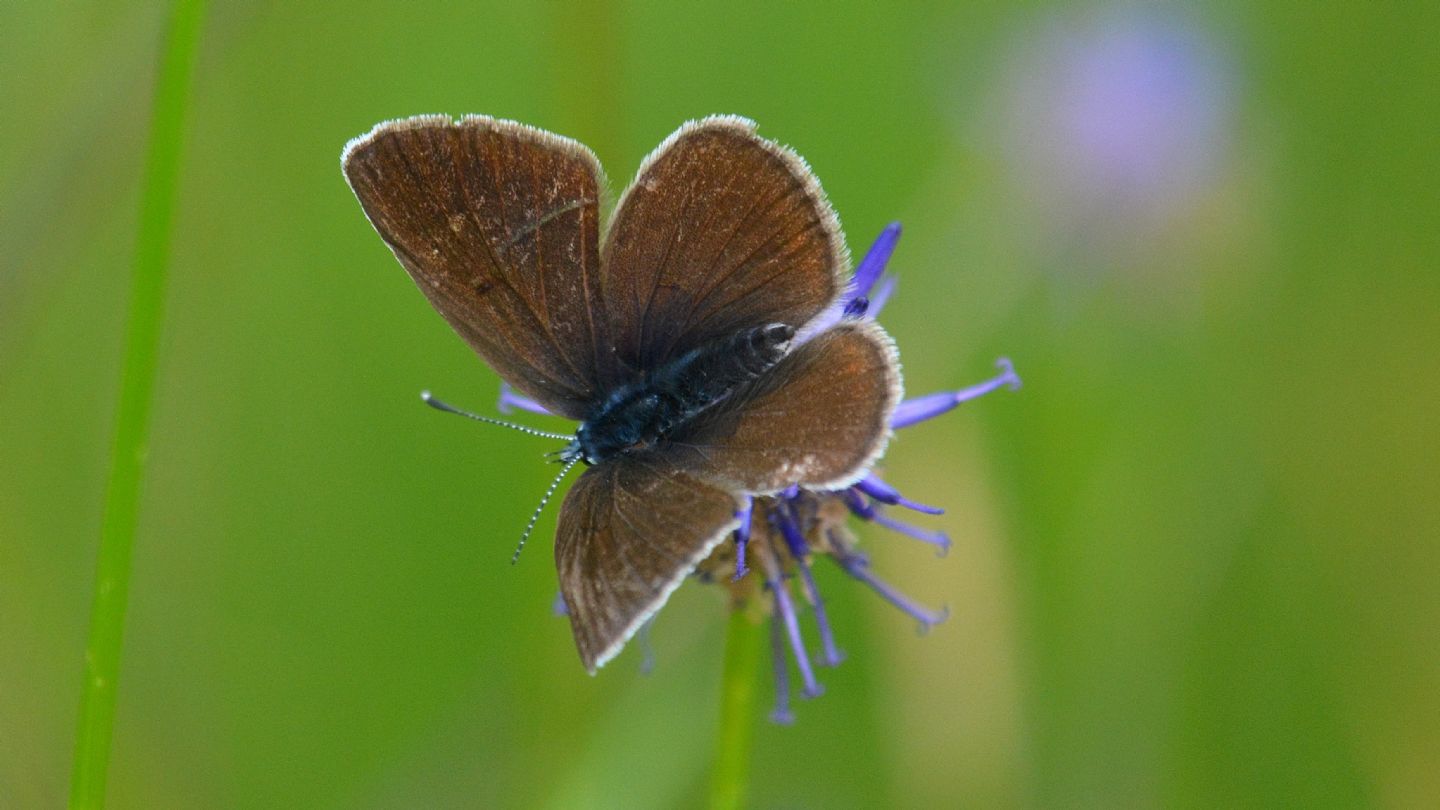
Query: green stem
(137,382)
(737,713)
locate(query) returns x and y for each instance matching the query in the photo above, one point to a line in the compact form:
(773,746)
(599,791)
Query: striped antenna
(536,515)
(442,406)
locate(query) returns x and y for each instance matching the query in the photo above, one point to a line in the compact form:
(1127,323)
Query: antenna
(536,515)
(441,406)
(570,460)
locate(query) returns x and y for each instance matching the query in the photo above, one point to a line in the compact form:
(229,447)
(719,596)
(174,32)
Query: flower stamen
(884,493)
(875,261)
(930,406)
(800,551)
(940,540)
(858,567)
(742,538)
(782,713)
(785,609)
(877,301)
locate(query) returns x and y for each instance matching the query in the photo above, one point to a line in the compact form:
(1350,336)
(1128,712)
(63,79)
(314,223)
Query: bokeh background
(1195,557)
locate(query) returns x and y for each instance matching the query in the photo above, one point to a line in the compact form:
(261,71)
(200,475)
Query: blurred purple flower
(1117,122)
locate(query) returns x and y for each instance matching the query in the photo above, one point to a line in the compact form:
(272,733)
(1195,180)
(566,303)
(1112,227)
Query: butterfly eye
(779,332)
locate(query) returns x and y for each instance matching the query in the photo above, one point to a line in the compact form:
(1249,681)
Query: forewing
(721,230)
(498,225)
(819,418)
(630,530)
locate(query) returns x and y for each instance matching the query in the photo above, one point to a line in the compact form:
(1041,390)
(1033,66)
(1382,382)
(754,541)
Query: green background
(1195,558)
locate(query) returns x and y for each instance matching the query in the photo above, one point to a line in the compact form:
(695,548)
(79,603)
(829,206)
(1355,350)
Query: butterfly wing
(722,230)
(498,225)
(632,527)
(630,530)
(819,418)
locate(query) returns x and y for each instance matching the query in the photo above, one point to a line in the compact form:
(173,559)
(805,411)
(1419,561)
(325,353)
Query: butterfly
(675,332)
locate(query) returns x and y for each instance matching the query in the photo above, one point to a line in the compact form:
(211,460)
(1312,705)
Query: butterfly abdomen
(642,413)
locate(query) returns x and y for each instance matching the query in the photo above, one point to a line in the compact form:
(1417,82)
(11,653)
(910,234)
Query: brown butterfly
(670,331)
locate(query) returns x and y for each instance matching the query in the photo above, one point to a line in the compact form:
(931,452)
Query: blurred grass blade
(137,382)
(737,714)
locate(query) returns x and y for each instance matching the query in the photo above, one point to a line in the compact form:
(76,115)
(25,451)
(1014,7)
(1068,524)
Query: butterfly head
(573,452)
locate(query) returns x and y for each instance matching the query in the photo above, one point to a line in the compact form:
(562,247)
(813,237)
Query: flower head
(781,536)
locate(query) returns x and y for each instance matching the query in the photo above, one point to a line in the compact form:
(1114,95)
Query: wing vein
(735,266)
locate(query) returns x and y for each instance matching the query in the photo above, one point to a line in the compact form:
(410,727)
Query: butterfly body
(667,332)
(636,416)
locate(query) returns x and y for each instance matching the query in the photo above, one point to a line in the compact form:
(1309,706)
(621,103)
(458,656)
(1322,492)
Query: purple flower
(1116,122)
(783,535)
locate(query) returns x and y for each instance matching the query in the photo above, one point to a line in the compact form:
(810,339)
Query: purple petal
(858,568)
(856,307)
(884,493)
(799,550)
(786,609)
(559,608)
(882,295)
(742,538)
(870,267)
(930,406)
(795,541)
(820,324)
(510,401)
(832,656)
(856,502)
(940,540)
(781,714)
